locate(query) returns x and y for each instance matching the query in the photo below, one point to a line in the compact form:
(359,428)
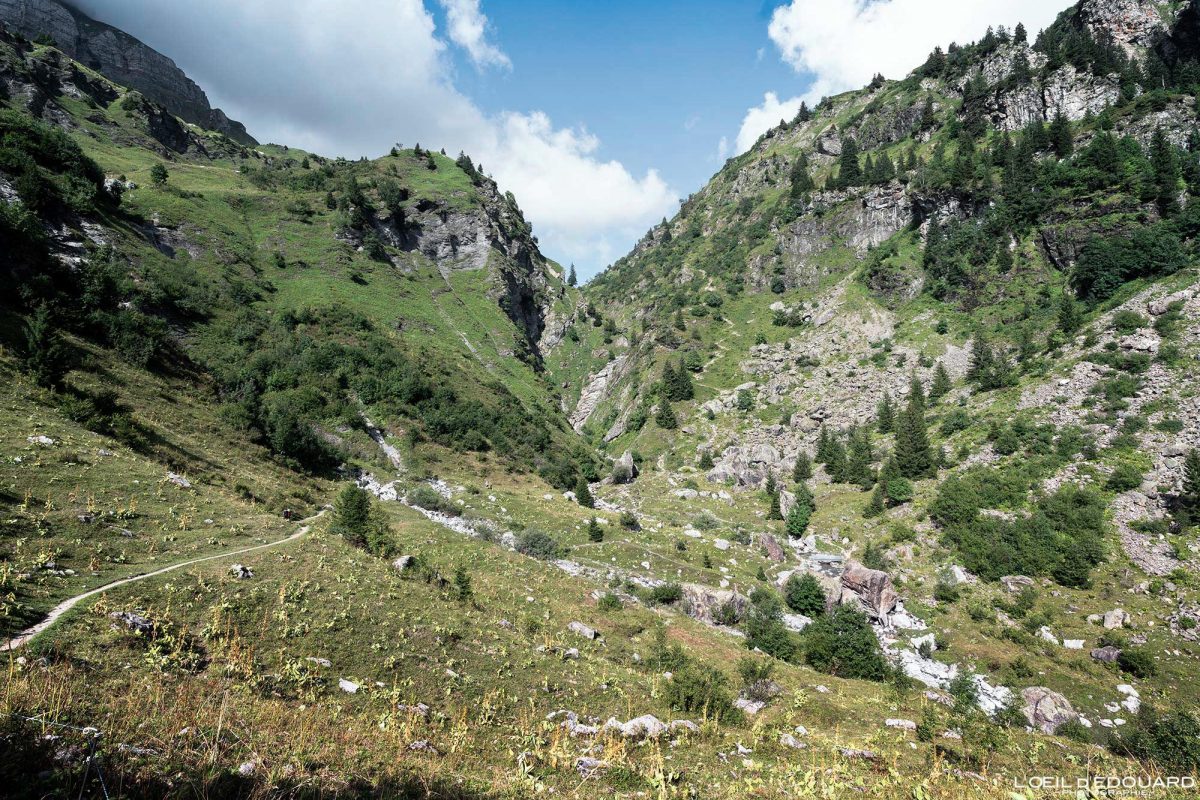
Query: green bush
(1137,662)
(539,544)
(428,498)
(1171,740)
(699,688)
(664,595)
(1124,478)
(842,643)
(804,595)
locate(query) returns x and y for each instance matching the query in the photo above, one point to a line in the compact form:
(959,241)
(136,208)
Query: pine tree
(941,382)
(572,278)
(706,460)
(927,117)
(983,359)
(771,487)
(1019,34)
(802,470)
(583,494)
(595,532)
(46,358)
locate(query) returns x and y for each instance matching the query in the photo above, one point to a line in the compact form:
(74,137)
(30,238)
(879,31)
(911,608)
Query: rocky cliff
(121,58)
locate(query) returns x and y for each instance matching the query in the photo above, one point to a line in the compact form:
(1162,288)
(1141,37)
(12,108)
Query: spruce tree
(706,460)
(595,532)
(1191,477)
(665,417)
(913,454)
(802,470)
(875,507)
(771,487)
(1166,173)
(916,393)
(941,382)
(583,494)
(1061,140)
(46,357)
(774,511)
(801,512)
(1070,319)
(849,169)
(1019,34)
(836,464)
(572,278)
(885,415)
(802,182)
(858,464)
(823,442)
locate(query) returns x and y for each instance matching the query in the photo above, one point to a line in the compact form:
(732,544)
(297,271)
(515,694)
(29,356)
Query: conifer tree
(802,470)
(875,507)
(1166,173)
(1191,477)
(583,494)
(802,181)
(665,417)
(941,382)
(823,442)
(836,463)
(771,486)
(572,278)
(801,512)
(706,460)
(916,393)
(858,464)
(774,512)
(849,169)
(595,532)
(885,415)
(1061,140)
(913,454)
(46,357)
(1070,319)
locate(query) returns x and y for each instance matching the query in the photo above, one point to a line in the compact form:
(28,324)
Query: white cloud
(468,30)
(353,78)
(762,118)
(839,45)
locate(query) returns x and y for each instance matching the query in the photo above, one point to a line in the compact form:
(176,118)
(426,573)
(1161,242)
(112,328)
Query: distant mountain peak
(121,58)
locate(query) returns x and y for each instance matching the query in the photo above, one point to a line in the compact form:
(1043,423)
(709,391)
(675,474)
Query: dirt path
(23,638)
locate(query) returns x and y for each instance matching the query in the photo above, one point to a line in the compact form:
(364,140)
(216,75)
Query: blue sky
(598,116)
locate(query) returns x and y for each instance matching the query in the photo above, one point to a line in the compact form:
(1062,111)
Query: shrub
(1126,322)
(609,602)
(804,595)
(629,521)
(1074,730)
(1124,478)
(700,688)
(764,626)
(664,595)
(1137,662)
(428,498)
(842,643)
(539,544)
(1172,740)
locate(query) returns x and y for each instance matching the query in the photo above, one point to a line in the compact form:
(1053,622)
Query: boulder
(1107,654)
(772,547)
(1015,583)
(403,562)
(1046,709)
(624,470)
(646,726)
(134,622)
(584,631)
(241,572)
(872,587)
(1117,618)
(707,604)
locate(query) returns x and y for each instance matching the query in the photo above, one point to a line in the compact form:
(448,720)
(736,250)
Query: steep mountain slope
(903,415)
(120,57)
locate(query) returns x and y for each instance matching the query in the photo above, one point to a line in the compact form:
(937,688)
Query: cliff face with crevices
(121,58)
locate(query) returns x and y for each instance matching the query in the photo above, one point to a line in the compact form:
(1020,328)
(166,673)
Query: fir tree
(1019,34)
(941,382)
(1191,477)
(916,394)
(836,464)
(1166,173)
(802,470)
(583,494)
(823,442)
(927,117)
(706,460)
(802,182)
(572,278)
(595,532)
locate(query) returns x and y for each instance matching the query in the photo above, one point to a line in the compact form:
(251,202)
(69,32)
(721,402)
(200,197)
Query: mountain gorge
(873,470)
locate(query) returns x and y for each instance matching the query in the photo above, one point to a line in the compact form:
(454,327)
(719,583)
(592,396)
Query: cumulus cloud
(355,77)
(468,30)
(762,118)
(837,45)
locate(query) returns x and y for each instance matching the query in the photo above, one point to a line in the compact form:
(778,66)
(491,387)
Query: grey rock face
(871,587)
(1046,710)
(121,58)
(706,604)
